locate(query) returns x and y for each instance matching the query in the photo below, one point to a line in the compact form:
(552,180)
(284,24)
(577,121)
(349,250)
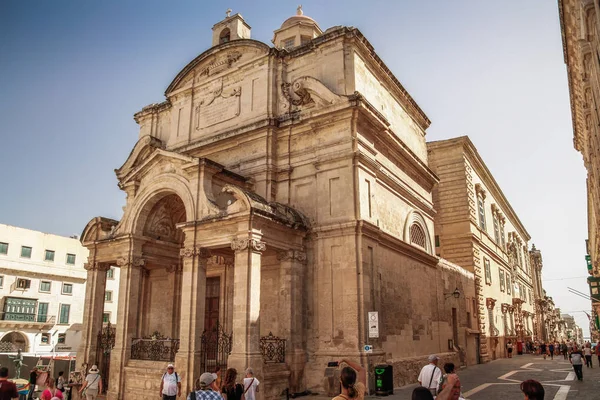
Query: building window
(481,206)
(417,236)
(65,309)
(3,248)
(42,312)
(67,288)
(23,283)
(108,295)
(45,338)
(110,274)
(19,309)
(520,258)
(71,259)
(502,236)
(225,36)
(488,271)
(25,252)
(437,241)
(496,228)
(304,39)
(45,286)
(289,43)
(106,318)
(1,281)
(62,338)
(49,255)
(502,284)
(508,284)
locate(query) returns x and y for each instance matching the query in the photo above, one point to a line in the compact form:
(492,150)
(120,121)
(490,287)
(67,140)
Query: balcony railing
(154,349)
(272,349)
(27,318)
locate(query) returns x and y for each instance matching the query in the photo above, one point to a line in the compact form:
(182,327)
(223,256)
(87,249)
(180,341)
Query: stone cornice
(40,275)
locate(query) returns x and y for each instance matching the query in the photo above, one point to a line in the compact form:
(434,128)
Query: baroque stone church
(274,199)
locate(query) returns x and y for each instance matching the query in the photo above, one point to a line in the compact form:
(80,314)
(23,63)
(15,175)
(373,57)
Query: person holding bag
(51,392)
(92,385)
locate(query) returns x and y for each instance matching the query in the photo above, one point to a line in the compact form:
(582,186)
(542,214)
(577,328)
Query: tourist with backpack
(170,384)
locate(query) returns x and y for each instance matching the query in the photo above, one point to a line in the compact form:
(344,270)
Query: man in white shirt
(250,385)
(431,375)
(170,384)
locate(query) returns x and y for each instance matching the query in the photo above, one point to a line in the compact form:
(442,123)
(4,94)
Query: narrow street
(500,379)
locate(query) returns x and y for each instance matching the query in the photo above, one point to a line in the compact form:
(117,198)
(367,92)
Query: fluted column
(130,290)
(191,326)
(291,306)
(93,308)
(246,304)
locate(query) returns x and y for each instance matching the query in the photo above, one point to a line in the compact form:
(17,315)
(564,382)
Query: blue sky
(72,74)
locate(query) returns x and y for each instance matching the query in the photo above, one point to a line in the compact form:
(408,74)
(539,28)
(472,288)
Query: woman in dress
(51,391)
(232,390)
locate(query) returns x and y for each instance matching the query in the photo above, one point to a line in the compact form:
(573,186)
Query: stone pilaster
(130,290)
(93,308)
(246,305)
(291,306)
(193,298)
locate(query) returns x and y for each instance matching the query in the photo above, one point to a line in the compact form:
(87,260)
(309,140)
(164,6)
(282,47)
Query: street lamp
(455,294)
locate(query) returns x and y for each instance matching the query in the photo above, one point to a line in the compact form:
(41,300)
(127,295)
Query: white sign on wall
(373,324)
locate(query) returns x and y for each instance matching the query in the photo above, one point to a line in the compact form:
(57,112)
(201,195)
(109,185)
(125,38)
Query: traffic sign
(368,348)
(373,324)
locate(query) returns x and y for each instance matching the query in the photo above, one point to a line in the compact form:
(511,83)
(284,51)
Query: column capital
(96,266)
(248,243)
(291,255)
(133,261)
(201,252)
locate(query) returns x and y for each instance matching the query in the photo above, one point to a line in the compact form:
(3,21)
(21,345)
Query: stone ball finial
(299,10)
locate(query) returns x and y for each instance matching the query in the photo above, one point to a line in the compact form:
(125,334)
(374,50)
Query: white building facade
(42,291)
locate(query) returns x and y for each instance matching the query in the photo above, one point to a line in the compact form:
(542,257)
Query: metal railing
(272,349)
(29,318)
(154,348)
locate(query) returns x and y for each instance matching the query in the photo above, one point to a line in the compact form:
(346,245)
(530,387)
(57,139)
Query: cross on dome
(299,10)
(228,13)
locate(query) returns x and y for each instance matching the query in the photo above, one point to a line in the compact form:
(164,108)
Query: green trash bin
(384,380)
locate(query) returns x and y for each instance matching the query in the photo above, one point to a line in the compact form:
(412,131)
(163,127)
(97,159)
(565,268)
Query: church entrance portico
(197,255)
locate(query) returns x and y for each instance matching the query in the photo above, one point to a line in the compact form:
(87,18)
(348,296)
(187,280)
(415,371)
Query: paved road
(500,379)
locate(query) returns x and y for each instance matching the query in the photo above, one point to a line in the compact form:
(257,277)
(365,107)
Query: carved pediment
(217,60)
(140,153)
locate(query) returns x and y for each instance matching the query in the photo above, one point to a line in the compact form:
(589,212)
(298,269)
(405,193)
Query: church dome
(297,19)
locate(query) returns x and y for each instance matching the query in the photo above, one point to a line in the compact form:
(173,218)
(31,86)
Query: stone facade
(579,21)
(477,228)
(285,193)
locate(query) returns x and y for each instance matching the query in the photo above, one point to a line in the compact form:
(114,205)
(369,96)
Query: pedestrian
(598,352)
(8,390)
(533,390)
(170,384)
(206,388)
(543,349)
(551,350)
(231,389)
(431,375)
(519,347)
(509,348)
(218,373)
(51,391)
(587,352)
(92,386)
(576,359)
(60,382)
(450,370)
(353,378)
(564,349)
(32,380)
(250,385)
(448,393)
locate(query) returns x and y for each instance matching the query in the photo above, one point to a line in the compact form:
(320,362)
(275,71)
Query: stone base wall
(276,379)
(142,380)
(406,370)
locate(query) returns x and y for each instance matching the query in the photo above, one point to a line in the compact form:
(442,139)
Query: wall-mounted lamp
(455,294)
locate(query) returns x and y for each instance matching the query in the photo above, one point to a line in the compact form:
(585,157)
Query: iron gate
(106,342)
(215,348)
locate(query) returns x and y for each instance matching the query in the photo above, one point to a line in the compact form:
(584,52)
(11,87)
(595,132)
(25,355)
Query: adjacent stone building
(274,199)
(476,228)
(581,46)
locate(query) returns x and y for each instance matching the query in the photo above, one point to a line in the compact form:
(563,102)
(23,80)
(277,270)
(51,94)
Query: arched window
(225,36)
(417,236)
